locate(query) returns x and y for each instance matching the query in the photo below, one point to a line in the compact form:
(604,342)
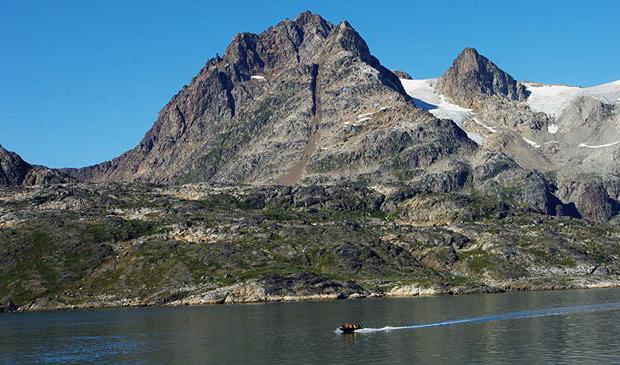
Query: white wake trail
(558,311)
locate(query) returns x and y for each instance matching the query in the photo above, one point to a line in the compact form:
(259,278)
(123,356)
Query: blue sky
(82,81)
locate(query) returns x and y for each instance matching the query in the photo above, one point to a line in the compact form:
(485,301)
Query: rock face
(13,169)
(473,76)
(590,197)
(402,75)
(304,286)
(303,101)
(584,124)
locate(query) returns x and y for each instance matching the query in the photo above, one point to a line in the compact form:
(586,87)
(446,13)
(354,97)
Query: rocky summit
(473,76)
(297,166)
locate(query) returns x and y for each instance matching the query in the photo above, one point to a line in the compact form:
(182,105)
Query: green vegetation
(107,250)
(477,260)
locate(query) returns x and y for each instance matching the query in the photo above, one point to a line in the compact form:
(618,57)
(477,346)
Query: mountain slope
(93,245)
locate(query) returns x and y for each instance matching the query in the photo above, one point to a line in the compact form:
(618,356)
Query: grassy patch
(478,260)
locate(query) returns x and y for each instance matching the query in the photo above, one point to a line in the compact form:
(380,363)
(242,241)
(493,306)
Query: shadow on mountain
(568,210)
(423,105)
(615,206)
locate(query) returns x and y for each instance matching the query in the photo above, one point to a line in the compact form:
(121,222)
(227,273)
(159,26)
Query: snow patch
(369,114)
(552,128)
(599,146)
(531,143)
(490,129)
(424,96)
(475,137)
(360,119)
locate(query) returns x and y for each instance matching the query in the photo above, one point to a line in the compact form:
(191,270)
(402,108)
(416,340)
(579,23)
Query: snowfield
(549,99)
(424,96)
(552,99)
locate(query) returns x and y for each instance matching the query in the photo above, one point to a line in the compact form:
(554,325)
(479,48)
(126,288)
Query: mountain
(304,101)
(473,76)
(570,135)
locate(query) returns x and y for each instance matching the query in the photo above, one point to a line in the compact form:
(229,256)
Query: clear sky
(82,81)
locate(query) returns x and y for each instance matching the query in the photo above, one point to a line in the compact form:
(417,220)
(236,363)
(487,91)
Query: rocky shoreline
(254,292)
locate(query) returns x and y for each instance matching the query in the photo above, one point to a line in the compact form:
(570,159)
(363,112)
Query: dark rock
(593,202)
(600,270)
(589,196)
(8,306)
(309,284)
(492,165)
(402,75)
(567,210)
(253,201)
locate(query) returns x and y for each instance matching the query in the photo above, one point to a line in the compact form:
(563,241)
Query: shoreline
(405,291)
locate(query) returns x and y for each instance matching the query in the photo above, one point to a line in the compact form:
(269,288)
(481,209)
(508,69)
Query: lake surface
(575,326)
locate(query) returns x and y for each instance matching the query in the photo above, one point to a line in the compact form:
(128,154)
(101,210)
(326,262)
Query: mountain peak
(348,38)
(307,16)
(470,58)
(473,76)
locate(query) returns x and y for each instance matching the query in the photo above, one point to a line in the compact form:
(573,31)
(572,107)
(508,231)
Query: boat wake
(558,311)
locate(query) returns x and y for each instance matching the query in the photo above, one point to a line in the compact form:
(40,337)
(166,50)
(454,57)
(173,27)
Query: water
(577,326)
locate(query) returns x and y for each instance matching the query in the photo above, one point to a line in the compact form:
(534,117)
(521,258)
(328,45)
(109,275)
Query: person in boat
(349,327)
